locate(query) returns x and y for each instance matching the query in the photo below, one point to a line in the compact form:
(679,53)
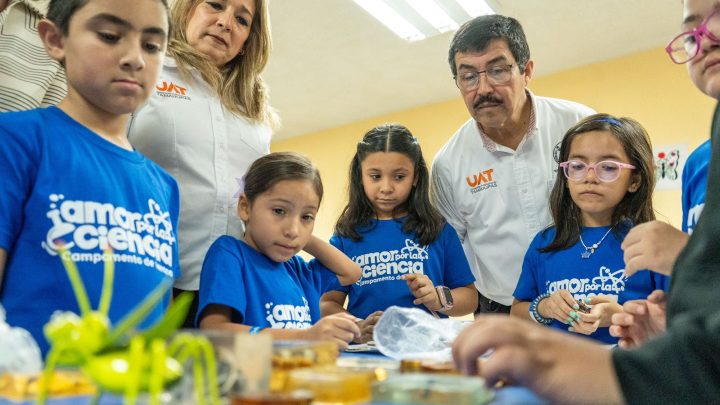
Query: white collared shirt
(185,129)
(495,197)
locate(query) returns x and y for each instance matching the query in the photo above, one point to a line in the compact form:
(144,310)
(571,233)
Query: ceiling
(333,64)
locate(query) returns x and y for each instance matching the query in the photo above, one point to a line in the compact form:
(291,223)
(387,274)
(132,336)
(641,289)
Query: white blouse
(185,129)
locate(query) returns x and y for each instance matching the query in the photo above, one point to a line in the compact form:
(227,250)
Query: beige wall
(645,86)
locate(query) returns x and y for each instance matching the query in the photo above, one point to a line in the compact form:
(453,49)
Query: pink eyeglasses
(606,171)
(684,47)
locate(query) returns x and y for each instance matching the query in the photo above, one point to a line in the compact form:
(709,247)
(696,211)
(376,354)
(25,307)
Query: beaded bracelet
(534,314)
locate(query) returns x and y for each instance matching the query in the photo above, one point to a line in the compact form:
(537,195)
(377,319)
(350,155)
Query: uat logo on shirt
(481,180)
(170,89)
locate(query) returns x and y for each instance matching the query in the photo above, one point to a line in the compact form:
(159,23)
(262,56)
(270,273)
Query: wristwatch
(446,298)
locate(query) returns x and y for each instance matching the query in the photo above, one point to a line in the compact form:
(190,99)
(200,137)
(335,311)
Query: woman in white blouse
(208,119)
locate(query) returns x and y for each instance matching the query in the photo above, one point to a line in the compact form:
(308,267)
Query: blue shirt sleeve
(661,281)
(313,273)
(694,185)
(312,279)
(326,278)
(526,289)
(20,154)
(685,181)
(174,218)
(221,281)
(333,284)
(456,270)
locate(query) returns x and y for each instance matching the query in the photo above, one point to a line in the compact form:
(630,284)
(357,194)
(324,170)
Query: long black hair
(422,217)
(635,207)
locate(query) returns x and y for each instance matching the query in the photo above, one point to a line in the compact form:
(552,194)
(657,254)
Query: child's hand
(603,307)
(558,306)
(606,305)
(586,324)
(339,328)
(367,326)
(423,289)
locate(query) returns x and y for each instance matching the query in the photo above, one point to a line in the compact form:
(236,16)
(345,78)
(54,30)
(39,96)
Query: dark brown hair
(271,169)
(60,12)
(422,217)
(635,207)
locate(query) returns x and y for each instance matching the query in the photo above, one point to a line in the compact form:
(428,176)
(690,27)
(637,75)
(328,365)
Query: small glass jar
(291,355)
(427,366)
(298,397)
(423,388)
(333,385)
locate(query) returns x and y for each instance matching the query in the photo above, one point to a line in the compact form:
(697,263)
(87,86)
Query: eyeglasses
(496,75)
(684,47)
(606,171)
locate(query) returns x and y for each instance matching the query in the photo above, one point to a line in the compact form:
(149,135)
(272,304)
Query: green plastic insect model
(117,362)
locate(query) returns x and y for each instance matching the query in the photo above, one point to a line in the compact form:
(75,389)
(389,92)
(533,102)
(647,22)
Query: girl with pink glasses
(573,275)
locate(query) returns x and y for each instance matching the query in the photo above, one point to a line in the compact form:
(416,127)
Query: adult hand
(423,289)
(339,328)
(654,245)
(640,321)
(367,326)
(551,363)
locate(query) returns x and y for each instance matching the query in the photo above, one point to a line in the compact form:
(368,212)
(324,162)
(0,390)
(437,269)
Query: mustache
(485,99)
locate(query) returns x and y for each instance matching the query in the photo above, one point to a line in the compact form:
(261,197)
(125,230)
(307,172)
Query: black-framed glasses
(606,171)
(684,47)
(496,75)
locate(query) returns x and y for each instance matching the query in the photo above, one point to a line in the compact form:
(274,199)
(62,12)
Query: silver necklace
(589,250)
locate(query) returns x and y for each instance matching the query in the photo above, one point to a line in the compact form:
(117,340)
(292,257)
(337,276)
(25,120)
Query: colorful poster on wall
(669,162)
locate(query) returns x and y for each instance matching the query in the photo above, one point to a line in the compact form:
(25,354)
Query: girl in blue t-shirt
(603,187)
(259,282)
(409,256)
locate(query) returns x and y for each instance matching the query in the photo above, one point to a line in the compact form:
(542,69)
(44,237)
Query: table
(503,396)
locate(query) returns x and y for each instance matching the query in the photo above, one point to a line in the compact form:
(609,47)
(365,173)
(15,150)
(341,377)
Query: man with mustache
(492,180)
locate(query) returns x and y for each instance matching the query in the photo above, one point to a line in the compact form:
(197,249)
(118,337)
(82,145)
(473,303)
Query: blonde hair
(238,83)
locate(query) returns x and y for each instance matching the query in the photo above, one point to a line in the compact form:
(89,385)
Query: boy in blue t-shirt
(68,174)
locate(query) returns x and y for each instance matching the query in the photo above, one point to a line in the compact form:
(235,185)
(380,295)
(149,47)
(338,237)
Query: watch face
(447,295)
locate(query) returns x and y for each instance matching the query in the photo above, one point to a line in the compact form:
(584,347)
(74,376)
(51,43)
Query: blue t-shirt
(694,185)
(61,182)
(260,291)
(603,273)
(386,252)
